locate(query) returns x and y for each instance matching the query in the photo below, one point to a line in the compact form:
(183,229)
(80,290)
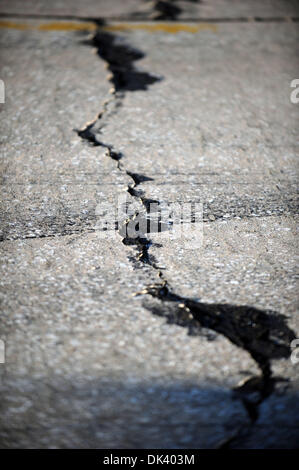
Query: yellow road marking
(67,26)
(171,28)
(12,25)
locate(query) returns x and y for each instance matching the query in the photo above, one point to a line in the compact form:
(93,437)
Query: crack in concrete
(165,10)
(263,334)
(120,58)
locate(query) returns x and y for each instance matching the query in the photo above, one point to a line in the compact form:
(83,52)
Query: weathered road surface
(189,112)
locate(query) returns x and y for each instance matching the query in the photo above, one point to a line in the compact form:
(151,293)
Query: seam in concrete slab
(263,334)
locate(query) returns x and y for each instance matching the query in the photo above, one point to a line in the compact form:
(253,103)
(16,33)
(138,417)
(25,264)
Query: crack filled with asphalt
(265,335)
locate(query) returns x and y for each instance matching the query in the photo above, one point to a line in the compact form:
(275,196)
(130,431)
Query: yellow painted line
(67,26)
(171,28)
(12,25)
(57,26)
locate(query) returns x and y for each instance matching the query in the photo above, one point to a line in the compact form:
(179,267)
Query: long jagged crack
(158,10)
(263,334)
(123,76)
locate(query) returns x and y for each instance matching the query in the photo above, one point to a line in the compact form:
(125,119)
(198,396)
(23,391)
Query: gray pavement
(153,9)
(96,327)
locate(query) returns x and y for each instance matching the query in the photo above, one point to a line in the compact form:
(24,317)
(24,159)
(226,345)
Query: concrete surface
(206,116)
(147,9)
